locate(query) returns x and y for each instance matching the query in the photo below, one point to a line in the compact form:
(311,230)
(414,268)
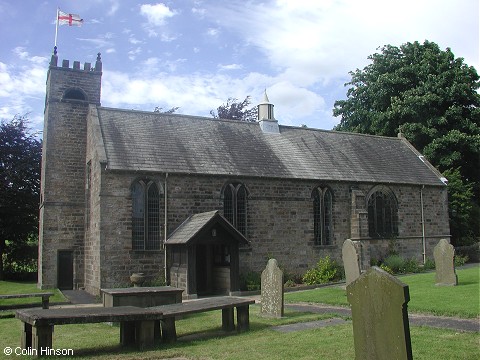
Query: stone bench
(224,303)
(136,324)
(44,295)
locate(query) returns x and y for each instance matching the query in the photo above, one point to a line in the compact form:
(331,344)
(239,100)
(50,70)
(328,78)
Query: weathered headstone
(380,319)
(444,266)
(350,261)
(272,290)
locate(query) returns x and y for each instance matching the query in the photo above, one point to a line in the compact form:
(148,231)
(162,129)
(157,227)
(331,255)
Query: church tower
(70,91)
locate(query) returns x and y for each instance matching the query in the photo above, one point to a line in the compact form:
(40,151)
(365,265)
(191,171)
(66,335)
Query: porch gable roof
(188,231)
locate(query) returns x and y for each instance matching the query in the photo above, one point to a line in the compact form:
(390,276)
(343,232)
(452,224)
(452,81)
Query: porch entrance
(204,256)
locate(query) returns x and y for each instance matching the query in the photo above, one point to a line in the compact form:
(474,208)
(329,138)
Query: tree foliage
(169,111)
(20,156)
(428,95)
(236,110)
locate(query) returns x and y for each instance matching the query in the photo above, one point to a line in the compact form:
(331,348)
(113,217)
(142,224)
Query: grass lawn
(461,300)
(200,335)
(100,341)
(12,287)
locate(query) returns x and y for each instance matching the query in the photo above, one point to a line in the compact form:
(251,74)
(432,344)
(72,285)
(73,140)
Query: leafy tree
(432,98)
(235,110)
(169,111)
(20,156)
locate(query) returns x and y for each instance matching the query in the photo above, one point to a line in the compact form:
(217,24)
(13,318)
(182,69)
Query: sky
(195,54)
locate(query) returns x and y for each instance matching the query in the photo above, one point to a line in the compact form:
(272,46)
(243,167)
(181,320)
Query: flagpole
(56,28)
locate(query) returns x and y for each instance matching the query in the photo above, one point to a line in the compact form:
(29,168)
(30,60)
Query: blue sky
(195,54)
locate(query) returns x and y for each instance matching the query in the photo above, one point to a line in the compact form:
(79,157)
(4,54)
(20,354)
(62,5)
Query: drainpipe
(423,225)
(165,229)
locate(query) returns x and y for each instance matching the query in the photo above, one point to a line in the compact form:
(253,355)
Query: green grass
(200,338)
(12,287)
(425,297)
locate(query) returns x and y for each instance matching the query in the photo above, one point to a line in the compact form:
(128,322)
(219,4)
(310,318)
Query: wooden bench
(44,295)
(136,324)
(224,303)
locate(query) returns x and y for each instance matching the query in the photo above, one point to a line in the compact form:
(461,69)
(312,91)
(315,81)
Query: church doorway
(65,270)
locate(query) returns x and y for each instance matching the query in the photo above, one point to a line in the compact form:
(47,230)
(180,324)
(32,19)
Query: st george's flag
(69,19)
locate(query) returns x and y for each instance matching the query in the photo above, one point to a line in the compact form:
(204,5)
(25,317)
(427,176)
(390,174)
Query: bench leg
(42,338)
(243,318)
(227,319)
(144,336)
(45,301)
(26,340)
(127,333)
(169,332)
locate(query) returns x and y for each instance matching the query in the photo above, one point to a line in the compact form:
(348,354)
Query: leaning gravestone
(350,261)
(444,266)
(272,290)
(380,319)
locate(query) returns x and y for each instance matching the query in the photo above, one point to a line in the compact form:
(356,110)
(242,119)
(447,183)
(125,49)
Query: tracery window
(235,206)
(146,230)
(382,213)
(323,216)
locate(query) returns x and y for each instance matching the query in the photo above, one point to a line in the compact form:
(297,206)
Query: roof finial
(265,97)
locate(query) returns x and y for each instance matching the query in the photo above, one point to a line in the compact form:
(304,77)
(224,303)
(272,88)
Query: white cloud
(22,86)
(101,41)
(230,67)
(21,52)
(114,5)
(324,39)
(213,32)
(156,14)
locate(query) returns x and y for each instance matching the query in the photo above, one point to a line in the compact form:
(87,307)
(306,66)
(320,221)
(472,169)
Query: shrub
(396,263)
(250,281)
(429,264)
(460,260)
(386,268)
(325,271)
(411,266)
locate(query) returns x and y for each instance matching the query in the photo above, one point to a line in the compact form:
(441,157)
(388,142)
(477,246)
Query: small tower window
(74,94)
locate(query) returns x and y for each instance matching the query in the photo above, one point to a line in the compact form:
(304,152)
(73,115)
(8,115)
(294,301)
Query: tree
(169,111)
(431,97)
(20,156)
(235,110)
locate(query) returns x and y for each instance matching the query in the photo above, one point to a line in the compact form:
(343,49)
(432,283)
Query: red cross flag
(69,19)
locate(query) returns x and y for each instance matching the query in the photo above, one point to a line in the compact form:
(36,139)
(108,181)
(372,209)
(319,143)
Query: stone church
(200,201)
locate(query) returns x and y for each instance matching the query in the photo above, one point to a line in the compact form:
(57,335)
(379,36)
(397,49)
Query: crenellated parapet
(76,64)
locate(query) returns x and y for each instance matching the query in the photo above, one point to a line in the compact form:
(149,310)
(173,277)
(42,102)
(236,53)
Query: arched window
(74,94)
(382,213)
(235,206)
(146,230)
(323,216)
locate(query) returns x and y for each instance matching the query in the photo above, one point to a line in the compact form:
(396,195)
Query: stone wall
(280,221)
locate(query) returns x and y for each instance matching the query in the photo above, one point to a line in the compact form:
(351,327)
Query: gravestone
(272,290)
(444,266)
(379,314)
(350,261)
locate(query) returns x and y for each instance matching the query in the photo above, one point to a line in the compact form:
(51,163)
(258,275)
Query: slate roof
(188,230)
(173,143)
